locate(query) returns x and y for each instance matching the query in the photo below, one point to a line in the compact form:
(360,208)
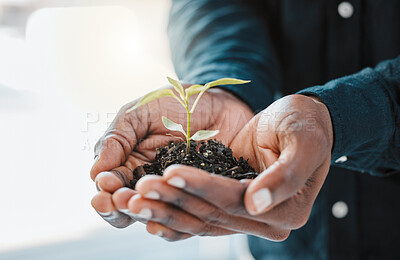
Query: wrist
(325,116)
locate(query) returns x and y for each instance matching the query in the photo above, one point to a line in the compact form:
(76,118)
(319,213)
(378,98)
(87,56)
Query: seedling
(183,99)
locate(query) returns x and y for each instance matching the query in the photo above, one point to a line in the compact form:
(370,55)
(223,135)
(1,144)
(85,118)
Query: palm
(257,142)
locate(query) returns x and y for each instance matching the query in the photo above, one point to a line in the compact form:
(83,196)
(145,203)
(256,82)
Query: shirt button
(341,159)
(345,10)
(340,209)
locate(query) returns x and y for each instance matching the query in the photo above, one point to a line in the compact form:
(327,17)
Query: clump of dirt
(211,156)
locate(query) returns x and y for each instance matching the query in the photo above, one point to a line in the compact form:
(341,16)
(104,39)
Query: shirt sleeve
(365,112)
(217,39)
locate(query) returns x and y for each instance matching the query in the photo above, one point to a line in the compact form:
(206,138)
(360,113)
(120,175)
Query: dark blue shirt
(351,62)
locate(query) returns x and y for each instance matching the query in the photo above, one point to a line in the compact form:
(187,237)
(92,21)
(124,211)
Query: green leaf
(226,81)
(152,96)
(194,89)
(178,87)
(219,82)
(170,125)
(204,134)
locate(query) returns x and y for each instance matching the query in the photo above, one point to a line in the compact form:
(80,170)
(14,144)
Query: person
(341,59)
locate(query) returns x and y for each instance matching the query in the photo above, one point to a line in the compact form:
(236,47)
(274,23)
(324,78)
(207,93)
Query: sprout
(183,99)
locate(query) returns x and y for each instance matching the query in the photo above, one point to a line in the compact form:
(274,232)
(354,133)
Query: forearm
(215,39)
(365,113)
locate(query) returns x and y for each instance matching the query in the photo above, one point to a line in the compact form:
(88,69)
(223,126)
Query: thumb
(113,148)
(280,181)
(110,152)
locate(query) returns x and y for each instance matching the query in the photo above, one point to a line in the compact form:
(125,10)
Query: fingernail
(96,180)
(153,195)
(127,212)
(145,213)
(108,216)
(177,182)
(159,233)
(105,214)
(245,182)
(262,199)
(98,187)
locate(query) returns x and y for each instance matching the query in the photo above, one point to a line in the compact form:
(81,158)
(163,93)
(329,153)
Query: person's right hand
(132,139)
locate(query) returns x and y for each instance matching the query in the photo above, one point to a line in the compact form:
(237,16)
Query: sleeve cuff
(360,114)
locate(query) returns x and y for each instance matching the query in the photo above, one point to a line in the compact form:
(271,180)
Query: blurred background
(65,69)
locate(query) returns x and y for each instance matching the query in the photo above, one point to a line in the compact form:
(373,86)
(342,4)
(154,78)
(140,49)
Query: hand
(132,139)
(289,142)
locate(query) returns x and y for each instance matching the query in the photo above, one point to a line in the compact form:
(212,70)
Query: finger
(111,151)
(246,182)
(155,187)
(172,217)
(277,183)
(193,181)
(224,193)
(283,179)
(168,234)
(112,180)
(103,205)
(121,197)
(295,211)
(291,214)
(113,148)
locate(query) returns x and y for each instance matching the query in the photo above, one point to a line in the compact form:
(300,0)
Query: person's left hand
(290,143)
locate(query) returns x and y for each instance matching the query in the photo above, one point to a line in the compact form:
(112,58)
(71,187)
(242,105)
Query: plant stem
(188,131)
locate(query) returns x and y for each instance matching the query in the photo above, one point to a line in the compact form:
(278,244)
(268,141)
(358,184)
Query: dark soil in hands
(211,156)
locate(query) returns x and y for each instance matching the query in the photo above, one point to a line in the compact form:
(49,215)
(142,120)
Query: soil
(211,156)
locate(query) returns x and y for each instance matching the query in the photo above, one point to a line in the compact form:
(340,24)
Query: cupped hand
(132,139)
(290,143)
